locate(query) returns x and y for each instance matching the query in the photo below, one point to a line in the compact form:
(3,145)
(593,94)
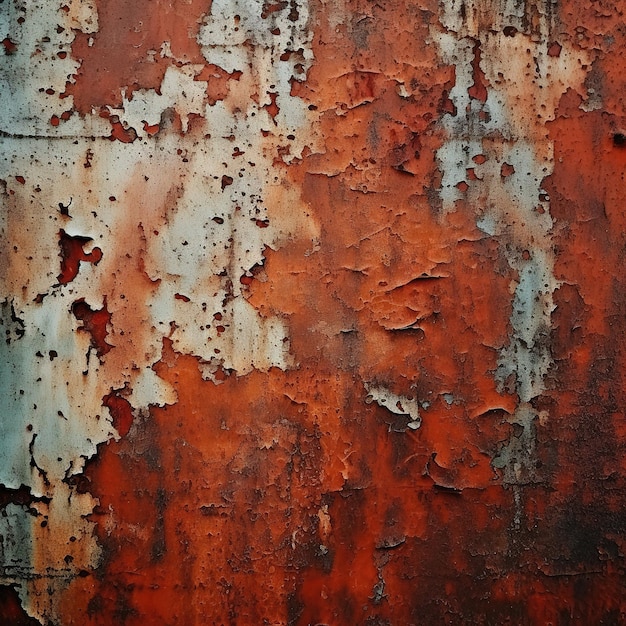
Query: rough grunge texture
(312,312)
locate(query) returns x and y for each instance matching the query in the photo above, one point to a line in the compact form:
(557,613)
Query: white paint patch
(399,405)
(179,91)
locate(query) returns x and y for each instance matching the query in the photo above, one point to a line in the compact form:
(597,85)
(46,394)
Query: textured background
(313,312)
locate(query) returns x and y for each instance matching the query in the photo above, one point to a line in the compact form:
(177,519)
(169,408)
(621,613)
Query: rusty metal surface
(312,312)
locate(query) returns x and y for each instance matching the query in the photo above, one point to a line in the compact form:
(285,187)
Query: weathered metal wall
(313,312)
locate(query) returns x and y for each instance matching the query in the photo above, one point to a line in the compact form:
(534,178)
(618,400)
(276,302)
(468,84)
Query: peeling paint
(312,312)
(399,405)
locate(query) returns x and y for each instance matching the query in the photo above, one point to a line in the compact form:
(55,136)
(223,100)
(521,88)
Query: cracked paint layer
(312,312)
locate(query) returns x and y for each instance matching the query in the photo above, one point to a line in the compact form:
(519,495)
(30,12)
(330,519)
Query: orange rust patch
(125,53)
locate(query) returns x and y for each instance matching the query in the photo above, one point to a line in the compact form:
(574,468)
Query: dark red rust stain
(95,323)
(446,105)
(581,528)
(11,611)
(506,170)
(151,129)
(72,253)
(120,409)
(273,7)
(120,133)
(478,90)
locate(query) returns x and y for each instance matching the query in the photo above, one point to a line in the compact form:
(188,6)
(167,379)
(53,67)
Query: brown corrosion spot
(95,323)
(72,253)
(10,47)
(554,49)
(150,129)
(619,140)
(218,81)
(272,107)
(119,133)
(506,170)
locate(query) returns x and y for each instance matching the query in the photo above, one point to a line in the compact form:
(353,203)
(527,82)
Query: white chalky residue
(399,405)
(524,84)
(36,66)
(528,356)
(465,17)
(509,202)
(179,90)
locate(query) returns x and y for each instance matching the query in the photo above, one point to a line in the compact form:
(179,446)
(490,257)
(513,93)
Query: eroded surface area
(312,312)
